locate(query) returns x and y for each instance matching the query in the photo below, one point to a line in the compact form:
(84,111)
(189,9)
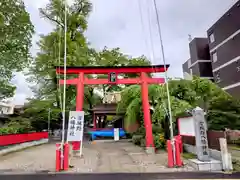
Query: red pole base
(179,162)
(170,154)
(66,157)
(180,143)
(58,157)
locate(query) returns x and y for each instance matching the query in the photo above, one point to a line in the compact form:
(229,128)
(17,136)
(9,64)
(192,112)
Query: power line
(150,32)
(166,77)
(143,29)
(59,63)
(142,23)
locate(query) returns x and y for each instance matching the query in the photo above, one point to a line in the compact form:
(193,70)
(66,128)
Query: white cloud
(120,25)
(36,4)
(22,91)
(117,23)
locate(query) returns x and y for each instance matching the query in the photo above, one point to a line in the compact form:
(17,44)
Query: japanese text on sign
(203,137)
(75,126)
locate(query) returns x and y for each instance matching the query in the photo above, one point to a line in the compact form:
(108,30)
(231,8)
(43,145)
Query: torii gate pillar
(80,92)
(144,80)
(146,111)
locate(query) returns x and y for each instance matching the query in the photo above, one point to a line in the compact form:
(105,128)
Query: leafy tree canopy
(184,95)
(79,53)
(16,32)
(37,112)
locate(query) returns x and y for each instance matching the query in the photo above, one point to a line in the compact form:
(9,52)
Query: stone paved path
(122,156)
(98,157)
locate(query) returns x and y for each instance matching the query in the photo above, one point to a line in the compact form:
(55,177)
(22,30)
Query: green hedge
(17,125)
(12,130)
(138,137)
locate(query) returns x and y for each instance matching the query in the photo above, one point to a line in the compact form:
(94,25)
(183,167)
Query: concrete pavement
(100,157)
(113,157)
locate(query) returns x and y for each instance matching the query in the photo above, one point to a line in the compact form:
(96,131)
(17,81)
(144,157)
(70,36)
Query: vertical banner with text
(75,126)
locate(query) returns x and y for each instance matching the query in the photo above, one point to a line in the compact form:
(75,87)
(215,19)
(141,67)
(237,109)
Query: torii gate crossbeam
(143,80)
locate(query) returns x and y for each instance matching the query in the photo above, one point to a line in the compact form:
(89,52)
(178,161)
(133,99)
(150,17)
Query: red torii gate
(143,80)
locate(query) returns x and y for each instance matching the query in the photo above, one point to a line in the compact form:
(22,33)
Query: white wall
(6,108)
(186,126)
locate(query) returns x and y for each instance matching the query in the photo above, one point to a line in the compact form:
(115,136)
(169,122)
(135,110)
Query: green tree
(42,71)
(184,95)
(114,58)
(206,90)
(224,112)
(16,32)
(37,112)
(183,90)
(131,103)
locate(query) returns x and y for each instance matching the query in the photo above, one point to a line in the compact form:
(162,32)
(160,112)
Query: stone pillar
(201,135)
(226,157)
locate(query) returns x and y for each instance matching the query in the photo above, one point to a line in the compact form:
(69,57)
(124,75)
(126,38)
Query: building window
(191,71)
(217,77)
(212,38)
(214,57)
(189,63)
(238,69)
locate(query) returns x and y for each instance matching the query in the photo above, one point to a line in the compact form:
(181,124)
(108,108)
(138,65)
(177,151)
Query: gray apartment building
(223,44)
(199,63)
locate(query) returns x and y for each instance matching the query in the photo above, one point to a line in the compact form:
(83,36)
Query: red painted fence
(11,139)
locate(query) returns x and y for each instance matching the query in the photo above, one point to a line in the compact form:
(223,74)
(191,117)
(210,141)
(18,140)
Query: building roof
(5,104)
(230,9)
(18,106)
(105,109)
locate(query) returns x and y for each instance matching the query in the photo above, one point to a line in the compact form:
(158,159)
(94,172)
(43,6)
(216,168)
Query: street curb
(120,176)
(22,146)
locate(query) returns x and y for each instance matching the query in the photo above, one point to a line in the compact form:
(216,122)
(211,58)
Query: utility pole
(49,117)
(64,84)
(166,78)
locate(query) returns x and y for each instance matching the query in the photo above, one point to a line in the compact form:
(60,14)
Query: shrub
(129,135)
(219,120)
(159,141)
(156,129)
(136,139)
(16,126)
(140,131)
(143,143)
(9,130)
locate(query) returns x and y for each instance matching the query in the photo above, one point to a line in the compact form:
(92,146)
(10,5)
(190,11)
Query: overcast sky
(117,23)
